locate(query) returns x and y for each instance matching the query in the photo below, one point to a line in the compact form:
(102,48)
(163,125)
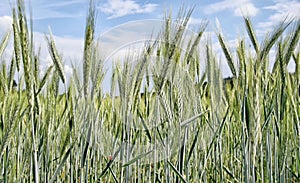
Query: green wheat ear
(17,49)
(88,48)
(55,57)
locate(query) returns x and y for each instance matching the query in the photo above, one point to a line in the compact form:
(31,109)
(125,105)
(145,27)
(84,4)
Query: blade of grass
(133,160)
(176,171)
(53,178)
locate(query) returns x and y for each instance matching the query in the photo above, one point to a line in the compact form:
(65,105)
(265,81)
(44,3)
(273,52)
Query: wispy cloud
(44,9)
(61,4)
(58,9)
(43,14)
(281,10)
(239,7)
(119,8)
(126,36)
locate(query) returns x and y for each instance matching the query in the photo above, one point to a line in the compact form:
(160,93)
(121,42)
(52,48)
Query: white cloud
(282,9)
(247,9)
(239,7)
(119,8)
(5,24)
(195,21)
(68,70)
(70,48)
(128,34)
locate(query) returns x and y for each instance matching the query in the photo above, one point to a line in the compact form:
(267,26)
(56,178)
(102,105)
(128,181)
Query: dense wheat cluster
(179,130)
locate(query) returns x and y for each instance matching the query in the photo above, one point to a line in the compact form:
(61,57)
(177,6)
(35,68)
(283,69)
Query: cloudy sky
(134,19)
(67,17)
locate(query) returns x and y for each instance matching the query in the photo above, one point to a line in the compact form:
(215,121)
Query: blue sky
(67,19)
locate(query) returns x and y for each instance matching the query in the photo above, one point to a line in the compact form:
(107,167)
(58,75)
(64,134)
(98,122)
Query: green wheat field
(164,120)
